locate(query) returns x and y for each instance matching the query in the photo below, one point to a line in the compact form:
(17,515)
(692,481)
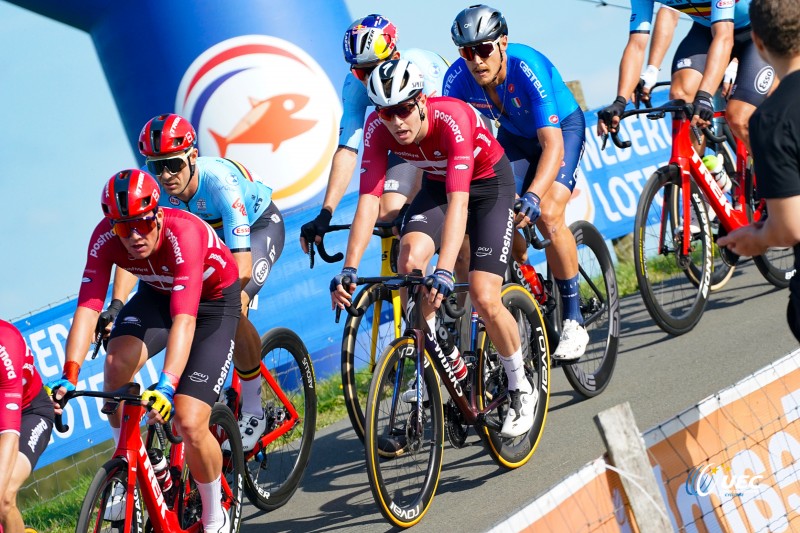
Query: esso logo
(722,4)
(266,103)
(764,79)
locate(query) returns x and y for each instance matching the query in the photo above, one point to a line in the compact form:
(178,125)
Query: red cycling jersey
(19,380)
(457,149)
(190,262)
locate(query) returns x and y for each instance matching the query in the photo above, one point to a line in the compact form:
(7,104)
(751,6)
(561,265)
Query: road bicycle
(405,439)
(673,240)
(130,472)
(599,304)
(276,464)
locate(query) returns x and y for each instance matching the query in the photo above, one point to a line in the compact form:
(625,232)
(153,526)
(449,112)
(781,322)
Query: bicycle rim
(101,512)
(492,381)
(365,339)
(777,265)
(274,472)
(404,444)
(225,429)
(599,301)
(673,301)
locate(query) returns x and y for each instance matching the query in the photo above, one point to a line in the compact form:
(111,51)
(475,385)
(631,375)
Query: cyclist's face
(141,243)
(404,121)
(486,69)
(174,175)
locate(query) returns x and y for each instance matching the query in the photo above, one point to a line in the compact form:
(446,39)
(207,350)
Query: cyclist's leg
(688,66)
(400,187)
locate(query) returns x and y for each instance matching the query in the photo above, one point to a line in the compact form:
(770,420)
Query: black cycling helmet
(478,24)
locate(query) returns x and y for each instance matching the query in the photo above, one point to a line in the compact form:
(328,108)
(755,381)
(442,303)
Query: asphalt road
(744,328)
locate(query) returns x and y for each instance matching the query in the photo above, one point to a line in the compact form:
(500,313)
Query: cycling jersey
(190,262)
(457,148)
(355,101)
(227,197)
(19,380)
(533,94)
(705,13)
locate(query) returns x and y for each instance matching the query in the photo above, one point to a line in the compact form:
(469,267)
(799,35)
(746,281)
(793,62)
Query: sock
(515,371)
(115,433)
(570,298)
(211,496)
(432,323)
(251,391)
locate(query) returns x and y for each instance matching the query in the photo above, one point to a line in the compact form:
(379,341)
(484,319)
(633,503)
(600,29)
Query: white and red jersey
(457,149)
(190,263)
(19,380)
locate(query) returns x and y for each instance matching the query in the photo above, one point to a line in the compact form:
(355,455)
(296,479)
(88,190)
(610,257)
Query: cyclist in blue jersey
(720,32)
(239,207)
(367,43)
(541,128)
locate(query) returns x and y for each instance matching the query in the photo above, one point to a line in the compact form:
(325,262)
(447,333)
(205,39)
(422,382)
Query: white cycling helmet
(394,82)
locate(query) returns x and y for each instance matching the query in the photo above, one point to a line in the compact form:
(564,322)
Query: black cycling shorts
(267,236)
(490,217)
(35,427)
(146,316)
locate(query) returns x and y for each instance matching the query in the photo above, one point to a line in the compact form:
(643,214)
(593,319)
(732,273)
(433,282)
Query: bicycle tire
(273,477)
(491,380)
(599,303)
(223,425)
(360,353)
(674,303)
(403,458)
(92,517)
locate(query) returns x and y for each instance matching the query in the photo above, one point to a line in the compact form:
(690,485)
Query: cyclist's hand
(57,388)
(440,283)
(107,317)
(342,287)
(314,230)
(528,207)
(703,109)
(608,117)
(161,398)
(729,77)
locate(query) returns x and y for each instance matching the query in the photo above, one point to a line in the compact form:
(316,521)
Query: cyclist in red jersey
(26,421)
(467,186)
(188,303)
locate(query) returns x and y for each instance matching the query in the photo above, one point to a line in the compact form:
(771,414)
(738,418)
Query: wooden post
(626,450)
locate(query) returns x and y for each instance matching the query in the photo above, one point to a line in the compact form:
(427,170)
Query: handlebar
(530,235)
(381,229)
(127,393)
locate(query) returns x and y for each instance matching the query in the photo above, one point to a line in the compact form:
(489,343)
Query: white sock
(211,496)
(251,397)
(515,371)
(115,433)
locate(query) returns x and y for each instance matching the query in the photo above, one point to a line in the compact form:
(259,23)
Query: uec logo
(701,479)
(266,103)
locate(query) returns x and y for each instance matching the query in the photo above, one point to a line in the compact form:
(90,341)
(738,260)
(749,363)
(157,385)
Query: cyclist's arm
(552,142)
(81,334)
(782,228)
(9,449)
(342,167)
(719,54)
(663,31)
(455,226)
(361,229)
(179,343)
(630,67)
(124,282)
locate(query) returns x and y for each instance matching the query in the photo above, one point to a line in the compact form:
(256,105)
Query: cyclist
(239,207)
(467,186)
(541,128)
(368,42)
(188,302)
(721,30)
(26,421)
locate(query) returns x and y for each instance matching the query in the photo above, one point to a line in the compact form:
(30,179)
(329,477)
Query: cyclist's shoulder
(532,57)
(12,344)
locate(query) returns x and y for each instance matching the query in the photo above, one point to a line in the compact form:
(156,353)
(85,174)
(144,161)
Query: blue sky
(61,135)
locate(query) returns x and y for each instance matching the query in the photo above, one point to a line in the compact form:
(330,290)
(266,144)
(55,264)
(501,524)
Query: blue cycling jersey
(705,13)
(355,101)
(533,94)
(228,198)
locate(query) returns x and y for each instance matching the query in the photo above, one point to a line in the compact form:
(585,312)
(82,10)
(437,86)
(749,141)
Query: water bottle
(715,165)
(161,470)
(535,283)
(449,349)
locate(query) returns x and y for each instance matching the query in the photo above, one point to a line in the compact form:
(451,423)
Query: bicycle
(276,464)
(405,440)
(599,304)
(673,262)
(131,472)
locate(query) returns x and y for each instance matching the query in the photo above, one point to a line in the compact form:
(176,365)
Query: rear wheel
(777,265)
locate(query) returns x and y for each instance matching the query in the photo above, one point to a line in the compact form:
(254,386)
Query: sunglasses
(482,50)
(402,111)
(142,226)
(172,164)
(363,72)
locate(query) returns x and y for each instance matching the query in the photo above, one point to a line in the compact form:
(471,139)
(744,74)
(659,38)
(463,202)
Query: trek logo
(101,240)
(712,183)
(139,183)
(176,249)
(6,360)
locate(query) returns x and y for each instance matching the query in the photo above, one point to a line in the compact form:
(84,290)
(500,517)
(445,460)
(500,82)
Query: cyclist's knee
(738,116)
(192,423)
(8,504)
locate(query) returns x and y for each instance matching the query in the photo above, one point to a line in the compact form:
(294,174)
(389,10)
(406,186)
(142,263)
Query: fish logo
(282,127)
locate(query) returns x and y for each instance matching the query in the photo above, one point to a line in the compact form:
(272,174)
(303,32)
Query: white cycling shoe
(115,506)
(225,527)
(251,427)
(519,419)
(410,396)
(572,344)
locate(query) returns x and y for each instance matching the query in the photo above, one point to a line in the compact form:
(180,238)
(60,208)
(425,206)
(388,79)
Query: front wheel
(225,429)
(104,507)
(404,439)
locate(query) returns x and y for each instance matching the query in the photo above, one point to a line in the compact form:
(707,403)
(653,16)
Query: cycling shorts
(400,176)
(755,77)
(35,427)
(525,153)
(267,235)
(146,316)
(490,217)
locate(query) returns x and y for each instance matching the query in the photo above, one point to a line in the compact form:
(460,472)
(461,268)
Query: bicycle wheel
(492,382)
(274,472)
(777,265)
(405,441)
(103,509)
(673,301)
(365,339)
(599,297)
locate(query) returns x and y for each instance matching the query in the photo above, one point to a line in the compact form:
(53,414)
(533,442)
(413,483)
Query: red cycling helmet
(129,193)
(166,134)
